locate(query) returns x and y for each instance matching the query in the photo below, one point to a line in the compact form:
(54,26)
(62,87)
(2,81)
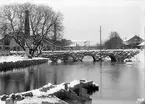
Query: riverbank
(77,91)
(10,62)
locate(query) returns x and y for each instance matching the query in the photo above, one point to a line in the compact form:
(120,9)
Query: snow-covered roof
(142,44)
(133,40)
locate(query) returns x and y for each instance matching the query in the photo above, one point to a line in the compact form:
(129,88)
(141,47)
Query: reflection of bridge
(118,55)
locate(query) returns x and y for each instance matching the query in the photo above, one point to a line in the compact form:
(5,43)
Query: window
(18,48)
(7,48)
(7,42)
(14,48)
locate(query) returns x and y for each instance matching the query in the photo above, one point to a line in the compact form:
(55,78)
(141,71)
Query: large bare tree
(30,25)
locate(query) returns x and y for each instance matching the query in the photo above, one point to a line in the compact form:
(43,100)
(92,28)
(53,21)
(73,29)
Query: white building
(79,44)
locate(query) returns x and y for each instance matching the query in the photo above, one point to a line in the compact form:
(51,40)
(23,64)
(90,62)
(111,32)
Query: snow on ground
(98,101)
(141,101)
(45,94)
(11,58)
(2,102)
(36,100)
(15,58)
(141,56)
(73,83)
(37,92)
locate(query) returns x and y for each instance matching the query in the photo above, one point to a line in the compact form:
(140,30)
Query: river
(120,83)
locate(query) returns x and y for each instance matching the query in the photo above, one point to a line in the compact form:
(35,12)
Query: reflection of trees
(5,83)
(116,73)
(115,77)
(11,82)
(101,79)
(29,79)
(43,75)
(58,73)
(55,75)
(37,76)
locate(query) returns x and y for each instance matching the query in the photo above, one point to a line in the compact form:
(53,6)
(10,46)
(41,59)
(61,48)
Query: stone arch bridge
(115,55)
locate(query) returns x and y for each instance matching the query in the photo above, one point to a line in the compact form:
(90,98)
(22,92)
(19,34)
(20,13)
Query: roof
(142,44)
(134,40)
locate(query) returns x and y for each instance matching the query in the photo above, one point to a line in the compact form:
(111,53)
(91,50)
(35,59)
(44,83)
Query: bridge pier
(120,59)
(74,60)
(81,60)
(65,58)
(113,59)
(94,60)
(54,61)
(98,60)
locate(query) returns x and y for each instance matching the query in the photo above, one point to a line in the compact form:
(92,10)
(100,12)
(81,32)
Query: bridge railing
(93,50)
(66,51)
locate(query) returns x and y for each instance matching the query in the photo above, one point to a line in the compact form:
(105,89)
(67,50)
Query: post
(100,42)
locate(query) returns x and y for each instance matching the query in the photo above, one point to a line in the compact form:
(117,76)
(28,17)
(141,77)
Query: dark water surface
(117,81)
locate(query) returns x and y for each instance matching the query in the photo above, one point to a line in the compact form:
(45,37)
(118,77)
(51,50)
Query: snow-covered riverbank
(15,58)
(141,56)
(77,91)
(10,62)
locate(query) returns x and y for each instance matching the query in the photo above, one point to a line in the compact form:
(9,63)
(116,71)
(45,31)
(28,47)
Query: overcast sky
(82,18)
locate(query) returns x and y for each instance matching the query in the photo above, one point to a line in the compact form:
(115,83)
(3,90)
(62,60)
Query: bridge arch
(93,56)
(113,58)
(66,57)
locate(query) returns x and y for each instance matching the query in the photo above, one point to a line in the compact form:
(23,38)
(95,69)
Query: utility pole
(100,59)
(100,42)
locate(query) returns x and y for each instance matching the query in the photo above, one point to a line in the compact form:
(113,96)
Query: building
(142,45)
(133,42)
(7,43)
(78,45)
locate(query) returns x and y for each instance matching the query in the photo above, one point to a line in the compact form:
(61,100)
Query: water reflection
(29,79)
(116,81)
(11,83)
(100,85)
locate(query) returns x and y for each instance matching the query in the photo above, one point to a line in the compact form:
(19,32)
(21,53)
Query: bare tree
(30,25)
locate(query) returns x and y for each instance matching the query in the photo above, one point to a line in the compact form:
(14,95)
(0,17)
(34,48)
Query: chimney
(27,27)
